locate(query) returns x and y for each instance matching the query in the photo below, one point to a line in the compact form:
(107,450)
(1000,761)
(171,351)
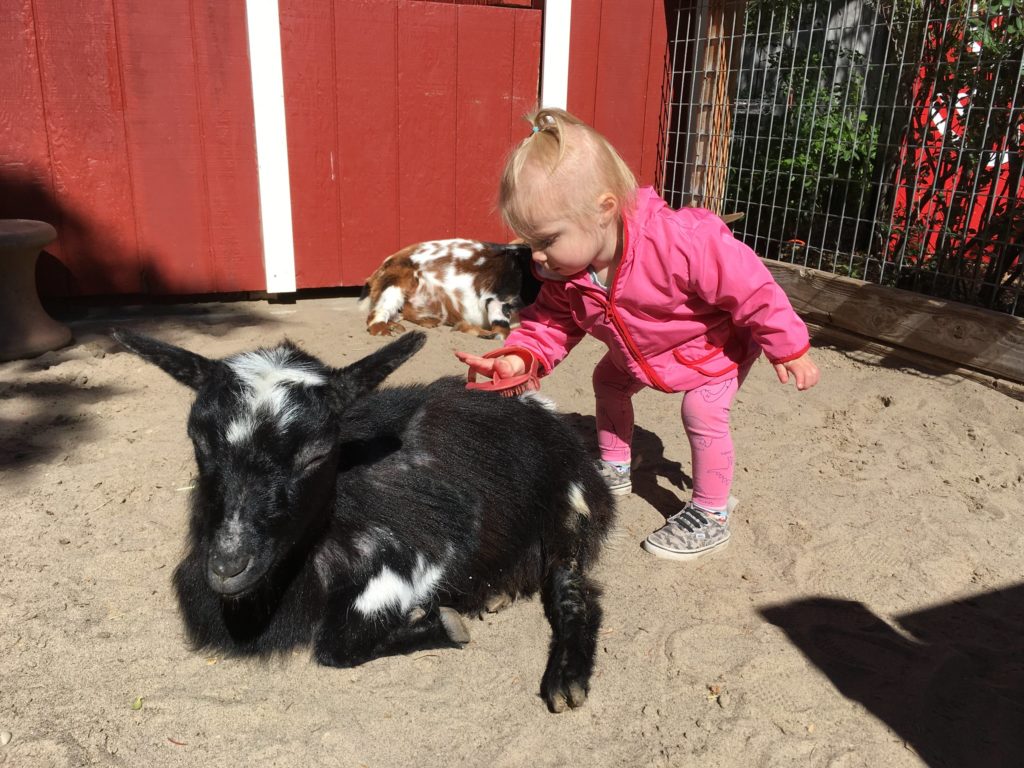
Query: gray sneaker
(616,479)
(688,534)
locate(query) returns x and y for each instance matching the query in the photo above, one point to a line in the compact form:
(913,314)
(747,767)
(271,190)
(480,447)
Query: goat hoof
(566,694)
(415,615)
(453,625)
(497,603)
(385,329)
(577,695)
(557,702)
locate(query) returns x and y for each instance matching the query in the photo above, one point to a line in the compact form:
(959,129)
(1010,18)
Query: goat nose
(227,565)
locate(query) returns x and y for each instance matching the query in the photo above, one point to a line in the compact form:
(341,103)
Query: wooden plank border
(976,338)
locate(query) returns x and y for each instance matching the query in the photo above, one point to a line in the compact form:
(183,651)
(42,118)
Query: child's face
(567,246)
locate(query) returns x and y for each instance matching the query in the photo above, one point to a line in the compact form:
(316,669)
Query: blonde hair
(579,165)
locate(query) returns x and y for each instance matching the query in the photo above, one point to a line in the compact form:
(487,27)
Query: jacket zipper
(611,314)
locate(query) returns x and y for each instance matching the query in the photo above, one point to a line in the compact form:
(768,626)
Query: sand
(868,611)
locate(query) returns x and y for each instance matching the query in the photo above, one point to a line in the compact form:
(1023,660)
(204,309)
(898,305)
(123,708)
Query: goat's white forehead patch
(268,376)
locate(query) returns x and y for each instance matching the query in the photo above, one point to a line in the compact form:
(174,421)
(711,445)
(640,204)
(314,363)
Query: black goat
(357,520)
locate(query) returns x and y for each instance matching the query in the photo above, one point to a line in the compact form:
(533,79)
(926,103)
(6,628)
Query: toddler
(681,304)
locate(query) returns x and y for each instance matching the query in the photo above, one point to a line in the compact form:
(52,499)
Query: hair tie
(536,129)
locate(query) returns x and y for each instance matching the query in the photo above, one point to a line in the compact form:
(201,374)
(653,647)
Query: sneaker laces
(690,518)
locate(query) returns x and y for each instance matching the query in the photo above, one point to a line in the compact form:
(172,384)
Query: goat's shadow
(43,416)
(953,690)
(649,463)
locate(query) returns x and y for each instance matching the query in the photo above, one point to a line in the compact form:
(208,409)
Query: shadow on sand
(649,463)
(952,687)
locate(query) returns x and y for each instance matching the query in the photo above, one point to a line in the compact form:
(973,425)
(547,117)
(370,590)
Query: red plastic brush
(511,385)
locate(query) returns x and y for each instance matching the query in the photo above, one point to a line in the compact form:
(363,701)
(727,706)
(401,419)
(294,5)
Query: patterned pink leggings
(705,413)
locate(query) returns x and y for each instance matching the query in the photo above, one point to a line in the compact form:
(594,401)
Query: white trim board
(554,77)
(264,26)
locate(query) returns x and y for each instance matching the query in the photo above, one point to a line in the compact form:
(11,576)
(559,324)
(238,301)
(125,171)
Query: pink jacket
(689,304)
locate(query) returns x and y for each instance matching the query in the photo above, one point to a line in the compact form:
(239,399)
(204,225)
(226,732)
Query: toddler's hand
(805,372)
(503,367)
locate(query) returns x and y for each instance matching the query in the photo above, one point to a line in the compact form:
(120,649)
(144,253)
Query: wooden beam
(872,352)
(976,338)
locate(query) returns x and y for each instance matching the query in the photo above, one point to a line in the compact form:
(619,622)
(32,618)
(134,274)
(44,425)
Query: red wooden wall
(399,118)
(129,125)
(618,78)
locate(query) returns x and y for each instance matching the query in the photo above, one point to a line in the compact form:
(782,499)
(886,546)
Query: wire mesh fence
(879,139)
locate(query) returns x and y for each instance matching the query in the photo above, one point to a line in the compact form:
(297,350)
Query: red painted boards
(616,69)
(311,115)
(367,45)
(131,131)
(26,181)
(228,142)
(86,149)
(186,108)
(399,125)
(129,125)
(427,69)
(486,58)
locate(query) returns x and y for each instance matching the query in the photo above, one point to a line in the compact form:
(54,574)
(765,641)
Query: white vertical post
(554,79)
(264,25)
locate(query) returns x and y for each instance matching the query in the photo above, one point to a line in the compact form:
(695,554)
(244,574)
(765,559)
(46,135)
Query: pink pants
(705,413)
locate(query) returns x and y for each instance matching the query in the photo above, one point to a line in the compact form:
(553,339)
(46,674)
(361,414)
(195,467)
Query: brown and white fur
(474,286)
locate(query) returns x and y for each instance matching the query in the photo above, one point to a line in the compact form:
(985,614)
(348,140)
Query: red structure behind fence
(955,202)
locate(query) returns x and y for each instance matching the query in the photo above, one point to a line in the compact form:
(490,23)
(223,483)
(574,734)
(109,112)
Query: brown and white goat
(474,286)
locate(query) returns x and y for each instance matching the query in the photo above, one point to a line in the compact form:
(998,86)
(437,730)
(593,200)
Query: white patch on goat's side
(425,302)
(387,589)
(457,248)
(459,285)
(536,397)
(576,500)
(389,304)
(463,252)
(429,251)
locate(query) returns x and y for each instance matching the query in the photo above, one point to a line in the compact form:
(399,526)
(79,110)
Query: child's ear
(608,209)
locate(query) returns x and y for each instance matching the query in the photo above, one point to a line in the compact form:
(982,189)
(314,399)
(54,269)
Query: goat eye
(315,460)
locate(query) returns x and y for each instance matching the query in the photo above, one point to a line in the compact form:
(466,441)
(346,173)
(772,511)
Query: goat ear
(362,376)
(190,369)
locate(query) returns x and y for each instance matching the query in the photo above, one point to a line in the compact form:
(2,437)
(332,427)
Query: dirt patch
(868,611)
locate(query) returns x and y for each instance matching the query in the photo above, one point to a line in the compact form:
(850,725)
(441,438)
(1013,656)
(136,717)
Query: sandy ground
(868,612)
